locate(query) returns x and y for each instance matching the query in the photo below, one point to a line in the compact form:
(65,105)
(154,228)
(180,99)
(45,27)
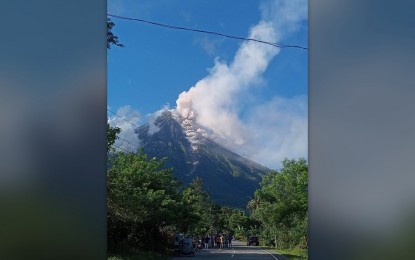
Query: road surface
(239,251)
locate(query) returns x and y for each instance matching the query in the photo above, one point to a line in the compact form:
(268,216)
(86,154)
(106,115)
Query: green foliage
(112,39)
(281,205)
(293,254)
(146,205)
(112,133)
(139,190)
(200,216)
(242,226)
(195,214)
(143,199)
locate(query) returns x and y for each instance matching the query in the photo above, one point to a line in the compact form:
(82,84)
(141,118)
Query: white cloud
(279,128)
(151,118)
(217,99)
(128,119)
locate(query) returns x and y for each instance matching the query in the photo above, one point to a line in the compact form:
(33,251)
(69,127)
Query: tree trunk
(275,238)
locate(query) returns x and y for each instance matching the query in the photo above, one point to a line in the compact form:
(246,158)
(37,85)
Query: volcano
(229,179)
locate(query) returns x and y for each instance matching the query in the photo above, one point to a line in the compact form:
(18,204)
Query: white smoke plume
(272,131)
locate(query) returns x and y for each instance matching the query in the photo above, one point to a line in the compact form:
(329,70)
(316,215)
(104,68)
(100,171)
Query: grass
(292,254)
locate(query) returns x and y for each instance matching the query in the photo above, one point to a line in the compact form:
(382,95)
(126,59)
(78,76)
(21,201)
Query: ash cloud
(271,131)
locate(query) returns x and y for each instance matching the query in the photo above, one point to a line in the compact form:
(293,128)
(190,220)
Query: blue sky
(157,64)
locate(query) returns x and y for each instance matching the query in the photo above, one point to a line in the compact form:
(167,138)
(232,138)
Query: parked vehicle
(253,241)
(178,238)
(187,247)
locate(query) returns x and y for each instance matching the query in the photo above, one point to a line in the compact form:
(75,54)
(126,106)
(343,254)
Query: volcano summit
(229,178)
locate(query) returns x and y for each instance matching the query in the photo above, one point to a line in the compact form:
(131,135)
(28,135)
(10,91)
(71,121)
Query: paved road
(238,251)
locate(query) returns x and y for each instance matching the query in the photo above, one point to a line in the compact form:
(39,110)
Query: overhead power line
(121,138)
(115,114)
(279,45)
(125,140)
(123,149)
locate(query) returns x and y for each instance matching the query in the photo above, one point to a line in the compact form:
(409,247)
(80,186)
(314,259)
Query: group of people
(219,241)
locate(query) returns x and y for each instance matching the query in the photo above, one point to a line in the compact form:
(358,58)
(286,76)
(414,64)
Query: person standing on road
(206,242)
(221,241)
(230,240)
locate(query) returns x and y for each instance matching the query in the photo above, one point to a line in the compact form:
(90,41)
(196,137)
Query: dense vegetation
(281,206)
(147,205)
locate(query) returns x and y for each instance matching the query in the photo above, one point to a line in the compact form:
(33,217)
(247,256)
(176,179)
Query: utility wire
(279,45)
(119,147)
(125,140)
(122,118)
(121,138)
(121,144)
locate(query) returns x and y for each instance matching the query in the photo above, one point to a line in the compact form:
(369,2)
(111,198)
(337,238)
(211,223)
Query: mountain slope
(229,178)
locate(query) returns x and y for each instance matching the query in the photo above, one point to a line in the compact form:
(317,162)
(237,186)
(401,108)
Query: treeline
(280,205)
(147,205)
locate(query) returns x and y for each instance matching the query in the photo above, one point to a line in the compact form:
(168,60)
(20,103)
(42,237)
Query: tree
(240,224)
(281,204)
(196,205)
(112,135)
(142,194)
(112,39)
